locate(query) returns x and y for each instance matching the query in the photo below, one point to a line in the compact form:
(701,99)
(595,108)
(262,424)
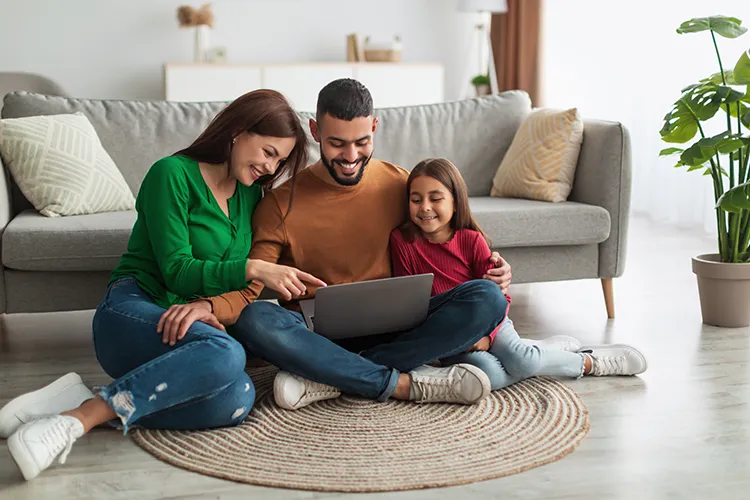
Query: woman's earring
(234,140)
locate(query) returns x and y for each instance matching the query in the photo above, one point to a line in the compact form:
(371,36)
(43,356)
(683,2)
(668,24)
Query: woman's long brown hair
(448,175)
(262,112)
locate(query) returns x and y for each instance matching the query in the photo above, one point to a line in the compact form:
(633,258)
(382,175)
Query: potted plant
(481,84)
(723,97)
(202,20)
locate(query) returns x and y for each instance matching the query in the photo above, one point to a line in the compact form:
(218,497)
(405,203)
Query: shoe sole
(618,346)
(9,423)
(22,457)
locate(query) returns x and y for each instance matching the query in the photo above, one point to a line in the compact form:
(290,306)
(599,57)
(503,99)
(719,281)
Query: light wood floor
(681,430)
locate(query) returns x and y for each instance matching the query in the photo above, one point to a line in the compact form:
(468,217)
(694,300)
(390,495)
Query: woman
(173,363)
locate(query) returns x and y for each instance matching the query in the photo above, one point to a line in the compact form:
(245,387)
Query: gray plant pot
(724,291)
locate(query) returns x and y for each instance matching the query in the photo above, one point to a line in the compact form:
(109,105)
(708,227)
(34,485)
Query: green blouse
(183,246)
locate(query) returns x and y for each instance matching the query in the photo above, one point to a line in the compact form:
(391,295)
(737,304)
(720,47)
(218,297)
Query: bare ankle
(91,413)
(403,388)
(587,364)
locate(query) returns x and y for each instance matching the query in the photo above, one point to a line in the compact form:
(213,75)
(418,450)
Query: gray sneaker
(461,383)
(292,392)
(615,359)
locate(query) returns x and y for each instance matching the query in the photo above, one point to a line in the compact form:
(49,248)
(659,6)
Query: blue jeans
(457,319)
(510,360)
(198,383)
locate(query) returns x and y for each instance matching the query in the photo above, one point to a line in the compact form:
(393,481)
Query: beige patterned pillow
(541,161)
(61,167)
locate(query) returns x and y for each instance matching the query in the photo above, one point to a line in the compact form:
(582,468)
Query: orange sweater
(336,233)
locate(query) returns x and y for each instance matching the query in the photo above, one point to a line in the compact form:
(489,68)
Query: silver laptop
(369,307)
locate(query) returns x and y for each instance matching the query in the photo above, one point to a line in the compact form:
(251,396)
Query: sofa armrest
(604,178)
(6,204)
(6,214)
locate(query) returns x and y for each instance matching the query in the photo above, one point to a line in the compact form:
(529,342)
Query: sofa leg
(609,297)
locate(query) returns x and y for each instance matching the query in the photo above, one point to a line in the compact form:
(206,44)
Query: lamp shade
(494,6)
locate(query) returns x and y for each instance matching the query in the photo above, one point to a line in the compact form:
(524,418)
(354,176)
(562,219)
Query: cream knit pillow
(541,161)
(61,167)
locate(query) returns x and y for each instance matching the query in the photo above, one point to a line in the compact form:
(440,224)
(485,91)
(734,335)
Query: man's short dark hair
(345,99)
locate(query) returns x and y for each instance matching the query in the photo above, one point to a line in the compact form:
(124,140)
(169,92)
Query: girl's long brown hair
(448,175)
(262,112)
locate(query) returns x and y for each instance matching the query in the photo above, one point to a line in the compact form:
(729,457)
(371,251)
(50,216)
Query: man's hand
(174,323)
(500,274)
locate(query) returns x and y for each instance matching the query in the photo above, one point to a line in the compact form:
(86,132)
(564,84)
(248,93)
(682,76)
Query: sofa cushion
(541,162)
(474,134)
(60,165)
(134,133)
(32,242)
(511,222)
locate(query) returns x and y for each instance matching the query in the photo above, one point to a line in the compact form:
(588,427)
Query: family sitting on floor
(180,316)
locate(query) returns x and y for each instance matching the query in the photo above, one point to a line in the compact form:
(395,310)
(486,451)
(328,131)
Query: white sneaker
(615,359)
(37,444)
(461,383)
(64,394)
(557,342)
(292,391)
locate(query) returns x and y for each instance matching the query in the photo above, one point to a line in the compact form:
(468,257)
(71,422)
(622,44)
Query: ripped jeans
(198,383)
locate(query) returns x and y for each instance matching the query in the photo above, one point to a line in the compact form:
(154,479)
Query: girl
(173,364)
(440,236)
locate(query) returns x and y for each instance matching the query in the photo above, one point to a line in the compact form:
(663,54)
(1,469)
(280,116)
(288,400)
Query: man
(344,208)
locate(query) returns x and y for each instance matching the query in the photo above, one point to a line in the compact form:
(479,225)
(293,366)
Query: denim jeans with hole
(370,366)
(198,383)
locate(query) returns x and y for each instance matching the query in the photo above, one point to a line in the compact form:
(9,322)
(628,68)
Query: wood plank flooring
(681,430)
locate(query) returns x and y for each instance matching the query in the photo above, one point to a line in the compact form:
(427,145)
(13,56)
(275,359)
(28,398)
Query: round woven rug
(355,445)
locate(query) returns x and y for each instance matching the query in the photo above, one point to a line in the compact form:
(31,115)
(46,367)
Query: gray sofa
(56,264)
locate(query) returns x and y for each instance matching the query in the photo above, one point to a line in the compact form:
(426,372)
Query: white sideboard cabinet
(391,84)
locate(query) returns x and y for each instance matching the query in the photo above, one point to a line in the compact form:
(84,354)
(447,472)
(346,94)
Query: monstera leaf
(670,151)
(728,27)
(740,108)
(699,102)
(736,199)
(741,71)
(716,78)
(702,151)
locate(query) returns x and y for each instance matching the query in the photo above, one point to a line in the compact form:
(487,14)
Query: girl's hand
(288,281)
(483,345)
(175,322)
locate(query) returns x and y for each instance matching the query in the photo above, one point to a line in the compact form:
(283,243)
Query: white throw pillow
(61,167)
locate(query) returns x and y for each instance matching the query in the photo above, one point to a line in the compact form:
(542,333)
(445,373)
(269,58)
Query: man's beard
(345,181)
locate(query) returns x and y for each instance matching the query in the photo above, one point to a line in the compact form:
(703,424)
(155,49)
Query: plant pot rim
(709,265)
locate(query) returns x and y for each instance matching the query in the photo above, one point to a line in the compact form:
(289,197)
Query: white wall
(623,61)
(116,49)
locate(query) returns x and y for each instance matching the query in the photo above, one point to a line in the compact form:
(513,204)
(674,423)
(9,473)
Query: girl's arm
(400,260)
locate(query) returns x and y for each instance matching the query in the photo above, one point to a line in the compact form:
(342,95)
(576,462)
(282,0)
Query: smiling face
(345,146)
(431,208)
(256,155)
